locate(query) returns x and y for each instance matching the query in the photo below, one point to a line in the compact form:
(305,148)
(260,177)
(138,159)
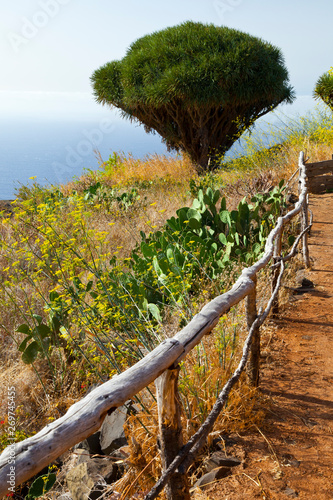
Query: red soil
(292,455)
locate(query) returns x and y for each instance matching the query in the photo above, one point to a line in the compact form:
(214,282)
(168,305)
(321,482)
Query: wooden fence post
(170,431)
(304,225)
(276,257)
(253,364)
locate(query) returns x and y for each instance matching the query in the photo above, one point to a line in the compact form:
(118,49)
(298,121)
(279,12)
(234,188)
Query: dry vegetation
(59,233)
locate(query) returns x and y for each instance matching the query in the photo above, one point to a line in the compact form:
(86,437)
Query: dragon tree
(198,86)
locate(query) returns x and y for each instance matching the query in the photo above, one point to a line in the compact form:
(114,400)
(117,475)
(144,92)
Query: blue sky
(49,48)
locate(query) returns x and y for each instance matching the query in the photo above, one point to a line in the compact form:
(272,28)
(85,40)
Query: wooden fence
(85,417)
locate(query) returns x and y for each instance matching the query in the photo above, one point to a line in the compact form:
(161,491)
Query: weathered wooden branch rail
(86,416)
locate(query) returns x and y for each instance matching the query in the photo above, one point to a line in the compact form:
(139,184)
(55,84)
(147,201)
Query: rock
(289,459)
(307,337)
(90,476)
(91,444)
(302,281)
(306,283)
(212,476)
(219,459)
(79,483)
(222,441)
(112,434)
(103,467)
(290,492)
(80,455)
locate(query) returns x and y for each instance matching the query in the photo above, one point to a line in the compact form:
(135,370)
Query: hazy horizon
(56,105)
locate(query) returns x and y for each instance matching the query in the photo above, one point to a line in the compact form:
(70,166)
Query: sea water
(55,151)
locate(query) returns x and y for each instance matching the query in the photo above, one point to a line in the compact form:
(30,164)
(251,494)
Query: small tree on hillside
(324,88)
(199,86)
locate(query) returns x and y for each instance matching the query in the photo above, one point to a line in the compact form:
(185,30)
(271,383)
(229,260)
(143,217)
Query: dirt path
(293,457)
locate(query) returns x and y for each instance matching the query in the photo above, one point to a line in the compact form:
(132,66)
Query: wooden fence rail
(85,417)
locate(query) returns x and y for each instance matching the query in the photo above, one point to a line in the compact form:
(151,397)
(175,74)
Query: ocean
(55,151)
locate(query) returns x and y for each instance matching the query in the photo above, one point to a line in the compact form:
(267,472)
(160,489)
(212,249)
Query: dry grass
(151,168)
(246,408)
(126,170)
